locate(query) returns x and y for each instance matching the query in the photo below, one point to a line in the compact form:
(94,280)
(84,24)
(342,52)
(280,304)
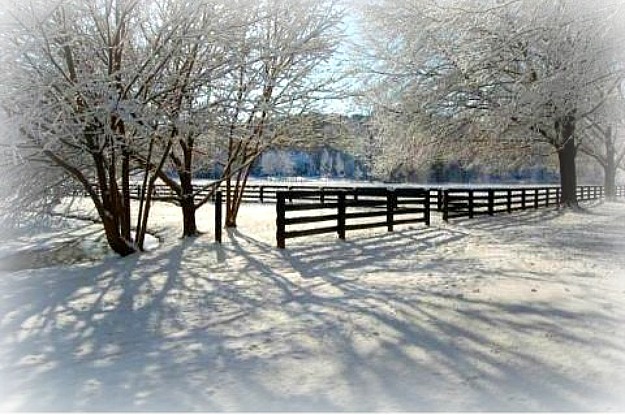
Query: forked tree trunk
(566,156)
(232,194)
(115,240)
(234,199)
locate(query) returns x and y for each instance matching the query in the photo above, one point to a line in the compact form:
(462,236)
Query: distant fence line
(457,196)
(460,202)
(390,205)
(265,193)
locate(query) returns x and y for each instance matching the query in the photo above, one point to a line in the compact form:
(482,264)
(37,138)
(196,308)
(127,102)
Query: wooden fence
(461,202)
(267,193)
(344,210)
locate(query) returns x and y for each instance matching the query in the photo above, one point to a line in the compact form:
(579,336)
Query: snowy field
(515,312)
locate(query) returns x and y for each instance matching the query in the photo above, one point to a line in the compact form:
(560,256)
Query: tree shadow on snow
(380,322)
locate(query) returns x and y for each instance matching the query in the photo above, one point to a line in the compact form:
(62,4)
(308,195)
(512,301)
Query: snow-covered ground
(515,312)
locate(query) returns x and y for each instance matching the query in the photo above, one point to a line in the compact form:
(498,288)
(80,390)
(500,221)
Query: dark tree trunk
(115,240)
(188,217)
(188,205)
(233,203)
(609,178)
(610,183)
(231,195)
(566,156)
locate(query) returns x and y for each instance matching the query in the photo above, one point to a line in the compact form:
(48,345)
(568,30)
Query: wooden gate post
(427,207)
(390,206)
(509,200)
(535,198)
(446,205)
(340,228)
(218,199)
(440,196)
(547,197)
(280,218)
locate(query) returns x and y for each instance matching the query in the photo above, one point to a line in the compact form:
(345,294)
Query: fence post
(535,198)
(523,194)
(390,205)
(439,199)
(547,197)
(322,194)
(280,218)
(558,196)
(426,212)
(509,200)
(471,203)
(261,191)
(446,205)
(491,202)
(218,198)
(341,215)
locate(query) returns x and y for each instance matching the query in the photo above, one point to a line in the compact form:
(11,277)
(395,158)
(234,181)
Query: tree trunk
(609,177)
(231,195)
(117,242)
(188,206)
(566,156)
(188,217)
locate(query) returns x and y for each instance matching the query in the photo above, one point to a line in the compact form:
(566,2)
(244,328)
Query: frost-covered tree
(604,138)
(277,162)
(325,163)
(277,73)
(339,165)
(191,83)
(86,87)
(489,74)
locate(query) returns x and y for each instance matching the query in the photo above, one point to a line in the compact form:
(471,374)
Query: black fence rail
(337,210)
(589,192)
(461,202)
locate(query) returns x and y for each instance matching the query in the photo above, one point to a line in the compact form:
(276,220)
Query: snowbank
(516,312)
